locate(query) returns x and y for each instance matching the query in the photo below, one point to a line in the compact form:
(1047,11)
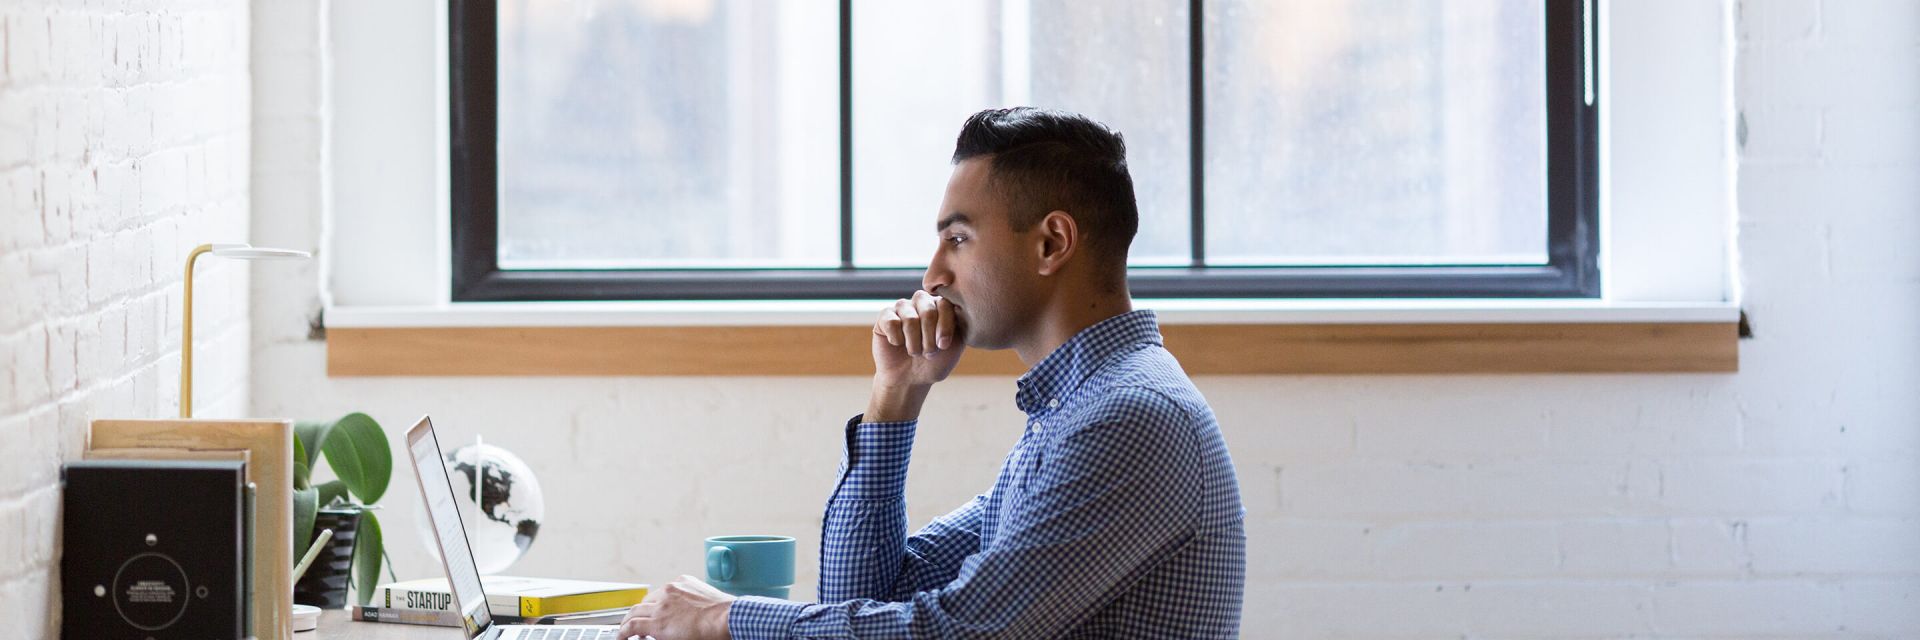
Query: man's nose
(937,277)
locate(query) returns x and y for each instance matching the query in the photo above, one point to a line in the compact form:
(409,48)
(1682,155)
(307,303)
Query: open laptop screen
(437,489)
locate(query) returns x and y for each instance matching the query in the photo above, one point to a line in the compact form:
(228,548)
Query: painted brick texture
(123,143)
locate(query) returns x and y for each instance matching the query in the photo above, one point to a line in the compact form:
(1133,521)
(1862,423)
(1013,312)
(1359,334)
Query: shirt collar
(1063,370)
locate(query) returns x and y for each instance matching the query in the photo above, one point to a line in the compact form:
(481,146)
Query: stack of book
(509,599)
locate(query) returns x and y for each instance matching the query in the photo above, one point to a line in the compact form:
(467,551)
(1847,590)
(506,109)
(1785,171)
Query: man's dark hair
(1043,160)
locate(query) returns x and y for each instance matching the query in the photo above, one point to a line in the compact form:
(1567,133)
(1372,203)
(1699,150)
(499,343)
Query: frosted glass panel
(1375,132)
(669,133)
(920,68)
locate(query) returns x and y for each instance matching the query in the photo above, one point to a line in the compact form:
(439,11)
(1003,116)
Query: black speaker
(155,549)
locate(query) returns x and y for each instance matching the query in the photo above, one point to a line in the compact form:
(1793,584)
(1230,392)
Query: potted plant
(355,448)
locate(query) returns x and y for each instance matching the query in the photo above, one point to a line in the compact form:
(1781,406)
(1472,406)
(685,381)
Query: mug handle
(719,564)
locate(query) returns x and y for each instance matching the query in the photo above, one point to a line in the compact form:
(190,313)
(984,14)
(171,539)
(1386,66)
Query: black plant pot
(325,583)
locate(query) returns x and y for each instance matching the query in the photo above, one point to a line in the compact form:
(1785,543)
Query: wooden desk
(338,624)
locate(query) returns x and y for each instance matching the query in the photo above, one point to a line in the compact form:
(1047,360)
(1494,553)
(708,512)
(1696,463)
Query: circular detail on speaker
(150,591)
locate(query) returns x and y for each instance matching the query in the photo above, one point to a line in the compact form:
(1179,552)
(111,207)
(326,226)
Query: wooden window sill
(1380,337)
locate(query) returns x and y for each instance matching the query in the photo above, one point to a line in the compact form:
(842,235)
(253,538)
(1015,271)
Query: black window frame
(1572,269)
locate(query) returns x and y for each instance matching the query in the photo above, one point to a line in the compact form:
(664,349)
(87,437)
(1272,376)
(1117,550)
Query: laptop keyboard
(566,634)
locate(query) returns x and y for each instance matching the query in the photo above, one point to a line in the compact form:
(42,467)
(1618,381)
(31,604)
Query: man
(1117,514)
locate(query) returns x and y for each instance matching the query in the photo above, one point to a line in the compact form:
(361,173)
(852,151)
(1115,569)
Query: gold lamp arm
(186,335)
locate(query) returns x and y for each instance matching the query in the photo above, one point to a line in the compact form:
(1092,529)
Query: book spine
(403,599)
(554,605)
(246,554)
(406,616)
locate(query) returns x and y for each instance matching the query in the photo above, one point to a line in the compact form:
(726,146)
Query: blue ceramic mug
(751,565)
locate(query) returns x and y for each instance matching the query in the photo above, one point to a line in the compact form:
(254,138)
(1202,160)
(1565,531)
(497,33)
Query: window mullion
(1196,134)
(846,134)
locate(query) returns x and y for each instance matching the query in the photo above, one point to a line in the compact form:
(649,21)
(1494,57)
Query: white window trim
(1667,203)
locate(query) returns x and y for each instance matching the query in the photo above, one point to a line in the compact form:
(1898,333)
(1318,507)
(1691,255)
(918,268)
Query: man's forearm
(861,541)
(895,403)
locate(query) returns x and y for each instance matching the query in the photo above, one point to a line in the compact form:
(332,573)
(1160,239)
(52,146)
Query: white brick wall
(123,136)
(1782,501)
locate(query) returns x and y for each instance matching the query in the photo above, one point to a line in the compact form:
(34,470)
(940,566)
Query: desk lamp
(237,251)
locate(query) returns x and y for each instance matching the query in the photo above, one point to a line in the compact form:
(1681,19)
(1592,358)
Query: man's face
(985,268)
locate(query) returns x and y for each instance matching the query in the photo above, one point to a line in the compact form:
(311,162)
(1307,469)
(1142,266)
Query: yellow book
(532,605)
(515,596)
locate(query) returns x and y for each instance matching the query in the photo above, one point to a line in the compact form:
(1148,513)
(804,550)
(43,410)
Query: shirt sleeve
(1107,501)
(864,549)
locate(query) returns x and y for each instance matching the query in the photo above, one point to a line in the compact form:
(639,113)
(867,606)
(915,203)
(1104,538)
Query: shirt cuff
(876,458)
(757,617)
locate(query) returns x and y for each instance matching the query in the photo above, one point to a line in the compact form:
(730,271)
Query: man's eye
(956,239)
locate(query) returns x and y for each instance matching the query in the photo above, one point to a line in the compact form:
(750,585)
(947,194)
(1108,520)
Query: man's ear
(1059,239)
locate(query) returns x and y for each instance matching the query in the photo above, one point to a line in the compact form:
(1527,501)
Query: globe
(500,505)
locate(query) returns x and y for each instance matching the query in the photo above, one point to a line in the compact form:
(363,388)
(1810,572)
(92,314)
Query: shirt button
(1035,424)
(1053,404)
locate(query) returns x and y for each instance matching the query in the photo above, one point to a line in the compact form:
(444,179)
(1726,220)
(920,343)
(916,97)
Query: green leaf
(357,451)
(331,491)
(367,549)
(308,435)
(301,472)
(305,503)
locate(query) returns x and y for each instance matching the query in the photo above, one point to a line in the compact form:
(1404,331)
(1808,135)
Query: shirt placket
(1038,423)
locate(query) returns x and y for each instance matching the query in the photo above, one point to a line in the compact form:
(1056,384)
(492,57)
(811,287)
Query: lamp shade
(250,252)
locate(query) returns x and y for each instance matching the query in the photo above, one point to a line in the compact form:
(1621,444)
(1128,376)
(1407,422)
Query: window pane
(920,68)
(668,133)
(1375,131)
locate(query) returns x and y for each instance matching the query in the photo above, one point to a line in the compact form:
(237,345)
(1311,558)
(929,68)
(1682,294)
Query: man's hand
(916,343)
(685,608)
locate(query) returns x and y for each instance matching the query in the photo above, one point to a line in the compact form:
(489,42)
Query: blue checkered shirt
(1117,514)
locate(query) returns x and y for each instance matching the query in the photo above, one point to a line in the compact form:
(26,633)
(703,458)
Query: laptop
(457,557)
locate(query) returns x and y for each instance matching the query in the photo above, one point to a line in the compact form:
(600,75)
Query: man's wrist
(751,617)
(717,624)
(896,402)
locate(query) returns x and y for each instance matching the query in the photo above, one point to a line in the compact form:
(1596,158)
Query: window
(730,149)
